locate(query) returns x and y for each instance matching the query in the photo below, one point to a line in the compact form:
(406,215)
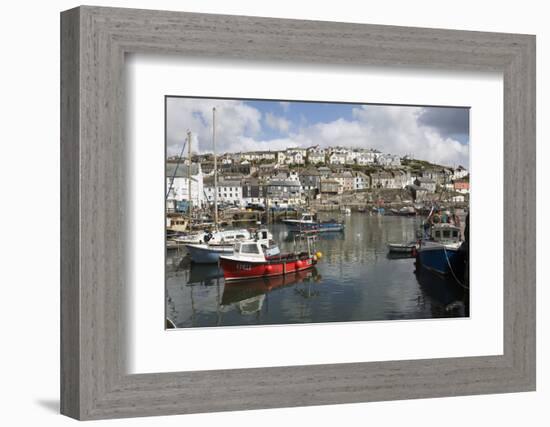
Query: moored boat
(190,238)
(402,248)
(439,253)
(221,243)
(252,259)
(207,254)
(306,218)
(407,211)
(319,227)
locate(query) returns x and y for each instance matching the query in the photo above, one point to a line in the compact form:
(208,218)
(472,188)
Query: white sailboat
(220,242)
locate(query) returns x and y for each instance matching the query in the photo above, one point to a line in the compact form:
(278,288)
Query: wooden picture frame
(94,41)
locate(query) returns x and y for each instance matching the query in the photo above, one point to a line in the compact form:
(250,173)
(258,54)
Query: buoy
(319,255)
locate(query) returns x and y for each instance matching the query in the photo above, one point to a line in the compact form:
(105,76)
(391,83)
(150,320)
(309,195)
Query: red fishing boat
(252,259)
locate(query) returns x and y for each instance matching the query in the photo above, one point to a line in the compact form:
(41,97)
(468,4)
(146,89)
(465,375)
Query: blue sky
(300,114)
(438,134)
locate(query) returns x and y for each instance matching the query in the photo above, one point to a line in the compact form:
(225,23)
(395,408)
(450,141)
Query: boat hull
(401,248)
(437,258)
(281,265)
(317,227)
(204,254)
(292,222)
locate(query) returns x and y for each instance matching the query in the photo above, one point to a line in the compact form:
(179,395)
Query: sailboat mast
(215,168)
(190,205)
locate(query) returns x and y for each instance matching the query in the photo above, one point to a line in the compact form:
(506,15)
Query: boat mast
(215,168)
(190,205)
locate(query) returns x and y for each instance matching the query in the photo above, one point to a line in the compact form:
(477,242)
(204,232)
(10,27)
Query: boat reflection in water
(249,295)
(447,295)
(205,274)
(355,280)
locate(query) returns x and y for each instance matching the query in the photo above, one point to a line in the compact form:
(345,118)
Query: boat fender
(319,255)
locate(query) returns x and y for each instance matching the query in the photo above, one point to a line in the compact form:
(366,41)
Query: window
(250,248)
(455,233)
(446,233)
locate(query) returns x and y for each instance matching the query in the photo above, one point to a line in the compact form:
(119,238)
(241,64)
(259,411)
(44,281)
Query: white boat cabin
(445,233)
(305,218)
(227,236)
(308,217)
(255,250)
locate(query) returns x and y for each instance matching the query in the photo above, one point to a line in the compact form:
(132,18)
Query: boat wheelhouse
(439,252)
(254,259)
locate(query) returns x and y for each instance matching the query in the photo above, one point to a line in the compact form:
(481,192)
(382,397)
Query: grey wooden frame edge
(94,41)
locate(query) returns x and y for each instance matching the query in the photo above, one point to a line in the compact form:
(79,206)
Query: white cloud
(285,105)
(234,121)
(277,123)
(391,129)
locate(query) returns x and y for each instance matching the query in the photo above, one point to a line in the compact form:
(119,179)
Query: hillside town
(352,230)
(311,176)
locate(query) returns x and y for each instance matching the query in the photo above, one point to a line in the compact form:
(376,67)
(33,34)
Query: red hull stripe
(233,270)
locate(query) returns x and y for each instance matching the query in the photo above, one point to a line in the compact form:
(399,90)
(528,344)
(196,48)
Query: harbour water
(356,280)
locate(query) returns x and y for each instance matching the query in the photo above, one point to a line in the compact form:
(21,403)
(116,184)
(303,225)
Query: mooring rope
(451,268)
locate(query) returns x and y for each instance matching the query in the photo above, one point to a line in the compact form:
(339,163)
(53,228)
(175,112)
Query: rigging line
(451,268)
(176,170)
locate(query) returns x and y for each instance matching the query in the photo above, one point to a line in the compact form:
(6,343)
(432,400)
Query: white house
(316,158)
(229,191)
(402,178)
(426,183)
(360,181)
(366,158)
(351,156)
(458,173)
(337,159)
(345,180)
(293,176)
(382,179)
(389,160)
(295,158)
(177,183)
(316,155)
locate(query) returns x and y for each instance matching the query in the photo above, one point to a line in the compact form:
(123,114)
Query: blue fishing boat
(317,227)
(305,219)
(439,253)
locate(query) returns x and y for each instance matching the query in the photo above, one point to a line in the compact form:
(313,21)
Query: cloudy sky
(437,134)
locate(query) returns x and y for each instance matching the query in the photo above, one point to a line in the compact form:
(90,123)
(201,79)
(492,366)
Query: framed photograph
(262,213)
(319,208)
